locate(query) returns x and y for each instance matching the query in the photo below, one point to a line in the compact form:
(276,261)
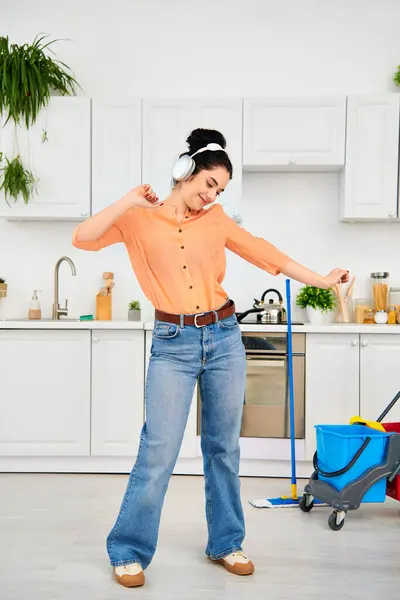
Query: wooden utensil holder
(103,308)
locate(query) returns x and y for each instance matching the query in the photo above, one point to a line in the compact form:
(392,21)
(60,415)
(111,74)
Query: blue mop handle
(291,391)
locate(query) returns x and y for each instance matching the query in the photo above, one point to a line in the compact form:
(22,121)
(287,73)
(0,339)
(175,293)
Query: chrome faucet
(57,311)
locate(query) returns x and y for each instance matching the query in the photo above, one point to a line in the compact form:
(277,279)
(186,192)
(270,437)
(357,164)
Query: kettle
(272,312)
(267,312)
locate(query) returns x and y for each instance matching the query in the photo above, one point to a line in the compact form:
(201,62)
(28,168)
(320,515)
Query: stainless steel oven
(266,401)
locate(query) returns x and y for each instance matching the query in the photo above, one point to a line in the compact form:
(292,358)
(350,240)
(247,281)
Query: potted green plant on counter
(317,303)
(396,77)
(3,288)
(134,311)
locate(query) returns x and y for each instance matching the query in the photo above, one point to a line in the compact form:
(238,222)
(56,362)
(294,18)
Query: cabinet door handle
(84,214)
(354,343)
(95,340)
(392,215)
(292,162)
(365,343)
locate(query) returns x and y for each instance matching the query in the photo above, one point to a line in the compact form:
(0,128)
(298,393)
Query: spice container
(381,317)
(380,290)
(369,316)
(361,306)
(392,314)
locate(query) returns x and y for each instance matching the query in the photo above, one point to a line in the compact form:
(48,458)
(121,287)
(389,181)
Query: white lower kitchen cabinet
(45,393)
(294,133)
(57,150)
(369,182)
(117,391)
(379,375)
(332,382)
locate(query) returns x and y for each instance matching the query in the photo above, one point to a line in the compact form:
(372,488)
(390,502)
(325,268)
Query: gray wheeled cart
(352,494)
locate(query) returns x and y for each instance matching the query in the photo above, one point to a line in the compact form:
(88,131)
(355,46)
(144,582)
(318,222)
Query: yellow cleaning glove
(372,424)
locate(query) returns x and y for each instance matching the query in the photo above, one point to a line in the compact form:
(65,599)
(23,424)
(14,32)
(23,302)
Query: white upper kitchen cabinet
(369,182)
(116,149)
(379,375)
(332,382)
(117,391)
(166,125)
(57,150)
(294,133)
(45,392)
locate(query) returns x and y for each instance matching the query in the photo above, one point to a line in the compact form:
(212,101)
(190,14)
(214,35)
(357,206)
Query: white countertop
(351,328)
(68,324)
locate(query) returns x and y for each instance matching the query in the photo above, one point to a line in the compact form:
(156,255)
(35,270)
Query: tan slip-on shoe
(131,575)
(237,563)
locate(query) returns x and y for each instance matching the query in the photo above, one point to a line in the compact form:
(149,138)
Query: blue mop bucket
(337,445)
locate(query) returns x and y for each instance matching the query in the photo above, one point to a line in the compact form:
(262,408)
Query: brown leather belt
(199,319)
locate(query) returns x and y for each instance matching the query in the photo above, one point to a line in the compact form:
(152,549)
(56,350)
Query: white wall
(214,47)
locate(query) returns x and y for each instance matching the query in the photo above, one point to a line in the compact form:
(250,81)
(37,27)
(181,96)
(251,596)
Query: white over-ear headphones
(185,165)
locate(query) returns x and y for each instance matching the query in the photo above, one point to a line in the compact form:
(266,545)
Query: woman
(177,251)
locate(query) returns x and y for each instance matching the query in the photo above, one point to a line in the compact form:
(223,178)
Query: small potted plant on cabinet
(317,302)
(134,311)
(3,288)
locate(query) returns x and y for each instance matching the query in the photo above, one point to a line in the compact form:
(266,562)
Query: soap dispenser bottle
(35,312)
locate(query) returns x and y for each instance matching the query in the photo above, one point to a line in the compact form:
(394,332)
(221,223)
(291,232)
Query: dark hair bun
(199,138)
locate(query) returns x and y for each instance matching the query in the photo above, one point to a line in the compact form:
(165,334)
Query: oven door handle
(266,362)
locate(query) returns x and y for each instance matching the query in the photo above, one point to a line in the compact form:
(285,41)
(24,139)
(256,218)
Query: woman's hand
(96,226)
(336,276)
(143,196)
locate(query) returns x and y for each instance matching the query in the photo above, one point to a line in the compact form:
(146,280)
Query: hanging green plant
(17,180)
(28,77)
(396,77)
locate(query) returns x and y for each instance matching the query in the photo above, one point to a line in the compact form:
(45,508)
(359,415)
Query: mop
(293,500)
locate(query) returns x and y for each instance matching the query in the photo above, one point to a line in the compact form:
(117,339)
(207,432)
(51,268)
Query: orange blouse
(180,266)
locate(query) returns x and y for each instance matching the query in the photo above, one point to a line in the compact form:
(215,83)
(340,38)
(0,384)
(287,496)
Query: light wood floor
(53,529)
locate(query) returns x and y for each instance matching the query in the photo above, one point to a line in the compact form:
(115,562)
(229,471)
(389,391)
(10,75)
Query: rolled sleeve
(255,250)
(113,235)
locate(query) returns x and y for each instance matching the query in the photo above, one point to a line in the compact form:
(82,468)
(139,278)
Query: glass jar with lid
(380,290)
(360,307)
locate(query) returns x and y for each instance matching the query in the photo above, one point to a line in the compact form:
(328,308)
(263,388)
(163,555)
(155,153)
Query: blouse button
(197,307)
(182,247)
(190,287)
(180,230)
(184,266)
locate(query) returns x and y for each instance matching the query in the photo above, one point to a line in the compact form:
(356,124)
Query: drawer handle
(365,343)
(354,343)
(95,340)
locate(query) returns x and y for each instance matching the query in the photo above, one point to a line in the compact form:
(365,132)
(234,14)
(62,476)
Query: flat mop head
(281,502)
